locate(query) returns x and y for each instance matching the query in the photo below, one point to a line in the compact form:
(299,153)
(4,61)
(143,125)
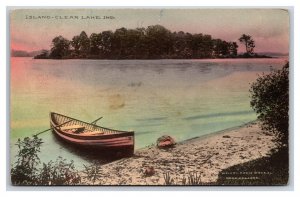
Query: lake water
(181,98)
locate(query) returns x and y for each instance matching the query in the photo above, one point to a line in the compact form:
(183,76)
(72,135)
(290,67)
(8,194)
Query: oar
(51,128)
(95,121)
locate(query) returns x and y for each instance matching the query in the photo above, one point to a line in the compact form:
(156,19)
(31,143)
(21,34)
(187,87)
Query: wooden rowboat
(87,135)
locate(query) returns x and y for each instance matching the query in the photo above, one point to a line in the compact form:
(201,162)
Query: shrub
(270,100)
(92,173)
(59,172)
(27,170)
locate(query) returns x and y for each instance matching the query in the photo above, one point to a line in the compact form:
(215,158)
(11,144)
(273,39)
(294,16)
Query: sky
(33,29)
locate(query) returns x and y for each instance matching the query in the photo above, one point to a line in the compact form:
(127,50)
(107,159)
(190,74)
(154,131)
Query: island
(153,42)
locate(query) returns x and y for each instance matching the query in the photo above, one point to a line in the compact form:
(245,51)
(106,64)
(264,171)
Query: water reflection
(149,97)
(152,119)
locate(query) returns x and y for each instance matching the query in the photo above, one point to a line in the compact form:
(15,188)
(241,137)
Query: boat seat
(73,128)
(93,133)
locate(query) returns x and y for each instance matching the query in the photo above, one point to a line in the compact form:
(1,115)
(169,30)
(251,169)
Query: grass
(192,179)
(168,179)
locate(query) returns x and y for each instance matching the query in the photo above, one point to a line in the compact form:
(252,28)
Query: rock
(165,142)
(149,171)
(226,136)
(242,157)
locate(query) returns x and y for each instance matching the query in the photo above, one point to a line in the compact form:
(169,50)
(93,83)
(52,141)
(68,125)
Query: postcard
(150,97)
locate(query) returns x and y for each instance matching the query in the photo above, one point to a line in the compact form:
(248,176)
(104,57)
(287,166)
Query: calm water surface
(181,98)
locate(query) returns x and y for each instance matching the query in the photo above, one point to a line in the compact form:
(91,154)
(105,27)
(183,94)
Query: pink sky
(268,27)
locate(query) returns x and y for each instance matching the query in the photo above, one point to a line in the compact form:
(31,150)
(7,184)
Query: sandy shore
(206,155)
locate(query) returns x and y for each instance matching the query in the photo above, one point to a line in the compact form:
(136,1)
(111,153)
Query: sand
(206,156)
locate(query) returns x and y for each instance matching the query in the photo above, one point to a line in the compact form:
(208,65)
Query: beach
(204,156)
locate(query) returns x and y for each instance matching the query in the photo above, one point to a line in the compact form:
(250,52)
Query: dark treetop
(153,42)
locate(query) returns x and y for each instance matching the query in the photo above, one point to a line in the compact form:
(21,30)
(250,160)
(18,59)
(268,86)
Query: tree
(106,46)
(153,42)
(75,43)
(132,45)
(182,45)
(120,42)
(249,43)
(84,43)
(43,55)
(95,43)
(233,48)
(60,47)
(159,42)
(270,100)
(221,48)
(208,46)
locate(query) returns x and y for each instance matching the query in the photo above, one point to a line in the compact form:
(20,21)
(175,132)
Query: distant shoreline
(241,56)
(262,57)
(202,137)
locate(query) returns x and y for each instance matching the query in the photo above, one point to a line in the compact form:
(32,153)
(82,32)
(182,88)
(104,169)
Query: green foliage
(159,41)
(75,43)
(95,43)
(153,42)
(92,173)
(222,48)
(84,43)
(270,100)
(233,48)
(27,170)
(43,55)
(249,43)
(59,172)
(24,170)
(60,48)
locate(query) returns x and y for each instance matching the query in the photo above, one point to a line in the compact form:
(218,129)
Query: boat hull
(111,140)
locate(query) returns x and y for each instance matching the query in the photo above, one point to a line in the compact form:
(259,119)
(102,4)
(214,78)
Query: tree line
(153,42)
